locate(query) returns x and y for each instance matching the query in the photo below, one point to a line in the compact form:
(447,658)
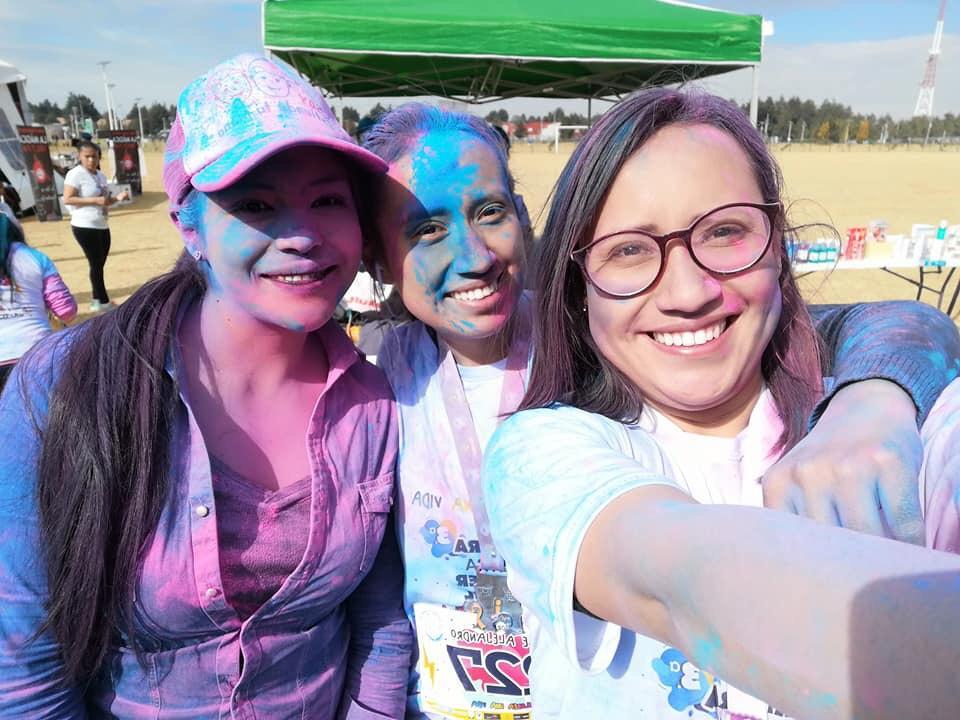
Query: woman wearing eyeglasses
(674,362)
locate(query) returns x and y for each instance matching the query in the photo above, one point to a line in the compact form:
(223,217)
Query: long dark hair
(567,367)
(104,459)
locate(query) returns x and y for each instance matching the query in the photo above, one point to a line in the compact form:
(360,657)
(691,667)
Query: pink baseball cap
(240,113)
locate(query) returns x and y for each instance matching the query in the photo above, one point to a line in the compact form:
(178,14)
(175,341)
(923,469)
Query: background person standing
(85,192)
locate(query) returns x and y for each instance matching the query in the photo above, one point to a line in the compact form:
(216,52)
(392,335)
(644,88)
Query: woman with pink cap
(175,544)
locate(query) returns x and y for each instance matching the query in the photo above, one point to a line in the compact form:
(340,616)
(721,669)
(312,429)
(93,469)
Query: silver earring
(197,255)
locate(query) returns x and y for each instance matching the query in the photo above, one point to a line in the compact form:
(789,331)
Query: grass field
(842,185)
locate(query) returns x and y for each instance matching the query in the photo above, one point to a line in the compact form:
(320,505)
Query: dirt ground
(841,185)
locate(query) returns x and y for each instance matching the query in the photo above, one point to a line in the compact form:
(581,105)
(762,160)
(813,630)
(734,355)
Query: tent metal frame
(479,79)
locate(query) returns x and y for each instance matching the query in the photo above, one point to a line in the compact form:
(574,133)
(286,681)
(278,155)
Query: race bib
(469,669)
(738,705)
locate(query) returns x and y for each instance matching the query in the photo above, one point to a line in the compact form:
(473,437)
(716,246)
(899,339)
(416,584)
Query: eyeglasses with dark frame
(726,240)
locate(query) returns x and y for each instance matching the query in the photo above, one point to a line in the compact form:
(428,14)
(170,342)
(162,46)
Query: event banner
(36,156)
(126,152)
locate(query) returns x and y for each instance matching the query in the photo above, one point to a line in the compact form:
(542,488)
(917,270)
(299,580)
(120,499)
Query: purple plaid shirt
(332,642)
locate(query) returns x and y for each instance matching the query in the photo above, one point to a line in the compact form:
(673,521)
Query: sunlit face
(282,244)
(680,173)
(453,240)
(89,159)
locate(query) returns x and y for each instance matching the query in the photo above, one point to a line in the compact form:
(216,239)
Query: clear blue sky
(801,22)
(869,55)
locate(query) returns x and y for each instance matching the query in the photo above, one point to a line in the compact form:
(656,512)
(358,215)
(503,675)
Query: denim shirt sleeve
(909,343)
(31,673)
(381,641)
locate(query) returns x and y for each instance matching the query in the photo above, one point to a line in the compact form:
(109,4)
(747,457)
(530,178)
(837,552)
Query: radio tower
(925,98)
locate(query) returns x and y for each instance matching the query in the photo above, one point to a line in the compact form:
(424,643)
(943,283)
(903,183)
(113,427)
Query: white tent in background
(14,111)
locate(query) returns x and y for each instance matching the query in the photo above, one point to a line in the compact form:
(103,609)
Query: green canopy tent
(511,48)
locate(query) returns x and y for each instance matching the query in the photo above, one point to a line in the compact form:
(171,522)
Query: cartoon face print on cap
(268,79)
(231,85)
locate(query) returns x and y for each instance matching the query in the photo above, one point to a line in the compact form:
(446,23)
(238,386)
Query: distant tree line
(834,122)
(779,120)
(156,116)
(46,112)
(796,119)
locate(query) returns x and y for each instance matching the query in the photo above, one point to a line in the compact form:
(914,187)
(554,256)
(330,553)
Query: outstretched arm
(789,610)
(911,344)
(820,622)
(858,467)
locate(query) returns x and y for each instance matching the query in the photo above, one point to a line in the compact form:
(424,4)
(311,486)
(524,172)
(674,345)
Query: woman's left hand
(858,468)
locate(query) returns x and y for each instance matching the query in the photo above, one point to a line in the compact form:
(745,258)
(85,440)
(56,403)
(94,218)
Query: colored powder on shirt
(262,534)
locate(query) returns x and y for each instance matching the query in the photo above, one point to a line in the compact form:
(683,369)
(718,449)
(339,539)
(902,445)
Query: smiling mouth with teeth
(690,338)
(301,278)
(476,293)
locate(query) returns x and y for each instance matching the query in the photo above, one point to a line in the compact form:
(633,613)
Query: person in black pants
(95,244)
(85,191)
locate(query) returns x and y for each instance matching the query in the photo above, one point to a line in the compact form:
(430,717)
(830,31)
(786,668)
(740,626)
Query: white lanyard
(465,434)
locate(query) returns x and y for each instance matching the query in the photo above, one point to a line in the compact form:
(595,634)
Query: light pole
(106,91)
(139,116)
(114,120)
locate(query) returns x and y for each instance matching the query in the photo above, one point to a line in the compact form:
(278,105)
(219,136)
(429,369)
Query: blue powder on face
(228,239)
(443,184)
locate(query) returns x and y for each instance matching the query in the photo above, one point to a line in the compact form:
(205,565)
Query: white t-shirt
(23,312)
(540,511)
(439,538)
(481,386)
(87,185)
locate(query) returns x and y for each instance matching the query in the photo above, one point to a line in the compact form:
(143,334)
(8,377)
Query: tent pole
(755,98)
(589,111)
(766,30)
